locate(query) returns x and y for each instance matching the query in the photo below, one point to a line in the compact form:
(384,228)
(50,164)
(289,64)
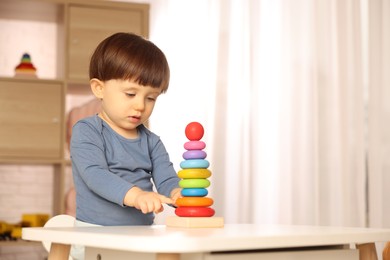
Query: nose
(139,104)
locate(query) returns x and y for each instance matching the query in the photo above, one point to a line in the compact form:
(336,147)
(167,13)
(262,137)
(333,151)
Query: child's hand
(146,201)
(150,202)
(175,194)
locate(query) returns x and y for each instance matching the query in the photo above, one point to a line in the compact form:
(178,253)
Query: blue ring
(195,163)
(194,192)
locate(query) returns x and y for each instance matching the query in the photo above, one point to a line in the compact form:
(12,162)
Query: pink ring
(194,145)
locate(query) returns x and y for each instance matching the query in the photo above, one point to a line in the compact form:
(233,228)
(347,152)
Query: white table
(241,241)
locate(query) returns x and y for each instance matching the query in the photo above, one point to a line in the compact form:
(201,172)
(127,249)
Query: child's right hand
(146,201)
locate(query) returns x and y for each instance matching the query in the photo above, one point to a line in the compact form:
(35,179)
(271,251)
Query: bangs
(147,68)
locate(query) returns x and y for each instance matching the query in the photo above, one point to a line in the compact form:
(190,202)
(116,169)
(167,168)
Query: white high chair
(58,221)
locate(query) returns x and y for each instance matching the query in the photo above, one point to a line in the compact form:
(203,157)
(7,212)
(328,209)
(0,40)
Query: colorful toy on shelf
(194,208)
(14,231)
(25,69)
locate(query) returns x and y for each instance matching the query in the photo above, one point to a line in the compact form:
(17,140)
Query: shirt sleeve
(90,164)
(163,172)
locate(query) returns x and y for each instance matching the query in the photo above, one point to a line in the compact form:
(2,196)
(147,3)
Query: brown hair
(128,56)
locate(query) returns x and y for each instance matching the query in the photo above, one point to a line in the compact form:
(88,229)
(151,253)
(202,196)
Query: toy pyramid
(25,69)
(194,207)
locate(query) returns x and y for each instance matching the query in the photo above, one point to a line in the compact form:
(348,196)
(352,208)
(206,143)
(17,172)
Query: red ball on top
(194,131)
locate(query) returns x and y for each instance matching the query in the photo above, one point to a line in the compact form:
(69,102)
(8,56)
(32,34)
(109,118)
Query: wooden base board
(195,222)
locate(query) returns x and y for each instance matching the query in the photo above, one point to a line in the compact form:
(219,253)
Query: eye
(151,99)
(130,94)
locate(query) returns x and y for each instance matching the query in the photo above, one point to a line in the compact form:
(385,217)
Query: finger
(147,207)
(159,208)
(152,205)
(176,194)
(166,200)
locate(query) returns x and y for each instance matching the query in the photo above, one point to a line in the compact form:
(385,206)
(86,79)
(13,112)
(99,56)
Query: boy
(114,156)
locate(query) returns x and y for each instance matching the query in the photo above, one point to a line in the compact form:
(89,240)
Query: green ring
(194,183)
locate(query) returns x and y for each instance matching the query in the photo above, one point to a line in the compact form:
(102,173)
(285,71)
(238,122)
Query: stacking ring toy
(194,154)
(194,183)
(194,163)
(194,212)
(194,192)
(194,173)
(194,145)
(194,202)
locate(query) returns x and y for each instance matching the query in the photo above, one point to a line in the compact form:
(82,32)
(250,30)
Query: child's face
(126,105)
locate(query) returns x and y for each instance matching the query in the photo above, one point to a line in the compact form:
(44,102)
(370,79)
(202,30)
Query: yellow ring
(194,174)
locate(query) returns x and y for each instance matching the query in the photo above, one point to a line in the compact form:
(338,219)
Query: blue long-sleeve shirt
(106,165)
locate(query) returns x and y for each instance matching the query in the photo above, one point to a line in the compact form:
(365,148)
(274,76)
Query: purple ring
(194,154)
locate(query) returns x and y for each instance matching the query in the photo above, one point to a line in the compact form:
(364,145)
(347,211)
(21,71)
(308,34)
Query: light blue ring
(195,163)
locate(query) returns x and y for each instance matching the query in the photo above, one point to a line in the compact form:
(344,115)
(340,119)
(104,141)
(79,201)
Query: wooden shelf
(20,242)
(80,87)
(32,111)
(29,161)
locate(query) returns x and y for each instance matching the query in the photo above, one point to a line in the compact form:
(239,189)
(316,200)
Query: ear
(97,87)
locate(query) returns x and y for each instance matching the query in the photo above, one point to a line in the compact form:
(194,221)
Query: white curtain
(279,88)
(379,113)
(294,114)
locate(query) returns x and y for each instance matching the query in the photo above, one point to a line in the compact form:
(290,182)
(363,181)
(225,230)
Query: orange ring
(194,202)
(194,173)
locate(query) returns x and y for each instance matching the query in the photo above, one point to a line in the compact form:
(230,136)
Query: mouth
(135,119)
